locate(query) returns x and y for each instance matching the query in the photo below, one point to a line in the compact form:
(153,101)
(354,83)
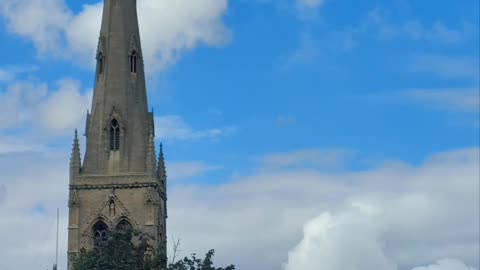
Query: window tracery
(100,230)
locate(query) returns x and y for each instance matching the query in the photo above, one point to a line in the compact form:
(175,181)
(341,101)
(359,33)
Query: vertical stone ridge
(151,158)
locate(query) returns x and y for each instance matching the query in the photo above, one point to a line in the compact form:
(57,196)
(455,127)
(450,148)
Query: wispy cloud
(312,47)
(316,158)
(310,3)
(174,128)
(5,75)
(184,170)
(285,120)
(461,100)
(379,22)
(446,66)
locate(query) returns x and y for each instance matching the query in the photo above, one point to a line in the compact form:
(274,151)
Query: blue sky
(334,87)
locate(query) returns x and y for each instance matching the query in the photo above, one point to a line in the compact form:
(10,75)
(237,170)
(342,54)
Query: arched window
(133,62)
(100,63)
(124,226)
(100,230)
(114,135)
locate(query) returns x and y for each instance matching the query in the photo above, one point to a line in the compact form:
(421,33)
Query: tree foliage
(129,250)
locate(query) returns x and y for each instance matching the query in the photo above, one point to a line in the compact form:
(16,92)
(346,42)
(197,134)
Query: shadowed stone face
(118,184)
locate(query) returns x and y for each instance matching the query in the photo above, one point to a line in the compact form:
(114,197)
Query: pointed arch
(114,135)
(100,233)
(100,56)
(133,62)
(100,63)
(124,225)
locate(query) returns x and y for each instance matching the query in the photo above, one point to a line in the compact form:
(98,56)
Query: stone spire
(75,159)
(119,123)
(161,170)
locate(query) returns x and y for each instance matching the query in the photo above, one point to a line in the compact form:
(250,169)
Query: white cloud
(65,108)
(174,128)
(168,28)
(346,241)
(350,240)
(394,221)
(18,144)
(31,106)
(45,22)
(395,215)
(466,100)
(446,264)
(32,180)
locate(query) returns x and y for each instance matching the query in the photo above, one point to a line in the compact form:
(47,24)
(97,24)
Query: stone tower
(120,182)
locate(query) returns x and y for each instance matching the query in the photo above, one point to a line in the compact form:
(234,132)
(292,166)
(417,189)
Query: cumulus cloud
(390,213)
(32,179)
(174,128)
(348,241)
(64,108)
(351,240)
(46,20)
(33,106)
(168,28)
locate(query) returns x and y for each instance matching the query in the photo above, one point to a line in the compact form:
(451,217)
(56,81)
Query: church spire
(161,171)
(75,159)
(119,124)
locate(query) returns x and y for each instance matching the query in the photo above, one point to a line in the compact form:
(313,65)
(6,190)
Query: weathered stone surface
(119,179)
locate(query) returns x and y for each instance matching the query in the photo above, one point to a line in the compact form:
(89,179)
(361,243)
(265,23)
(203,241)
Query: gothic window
(114,135)
(100,230)
(100,63)
(124,226)
(133,62)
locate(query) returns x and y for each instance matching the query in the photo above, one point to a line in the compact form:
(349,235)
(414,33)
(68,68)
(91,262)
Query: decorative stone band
(156,186)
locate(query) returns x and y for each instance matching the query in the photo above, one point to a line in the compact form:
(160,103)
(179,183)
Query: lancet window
(100,230)
(114,135)
(124,226)
(100,63)
(133,62)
